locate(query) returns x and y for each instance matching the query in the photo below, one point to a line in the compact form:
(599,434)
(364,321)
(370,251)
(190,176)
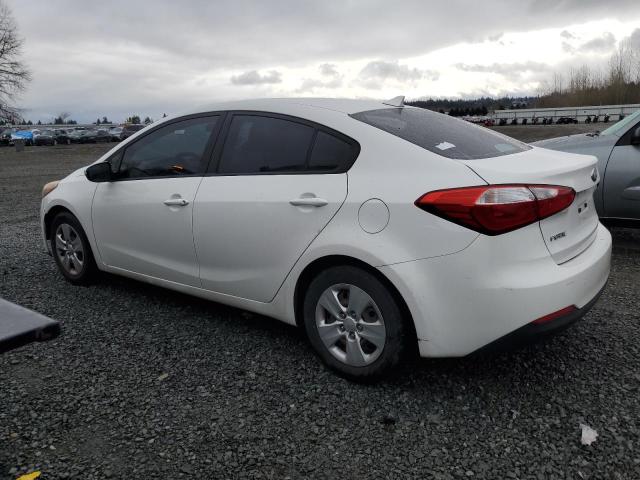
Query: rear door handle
(309,202)
(176,202)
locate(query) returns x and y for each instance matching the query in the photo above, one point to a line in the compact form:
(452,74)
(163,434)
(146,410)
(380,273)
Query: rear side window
(331,154)
(441,133)
(257,144)
(173,150)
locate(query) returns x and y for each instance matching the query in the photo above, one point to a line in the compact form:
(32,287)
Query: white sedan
(380,229)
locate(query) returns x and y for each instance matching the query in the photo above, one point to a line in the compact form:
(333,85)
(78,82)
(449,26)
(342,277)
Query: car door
(622,179)
(142,220)
(275,184)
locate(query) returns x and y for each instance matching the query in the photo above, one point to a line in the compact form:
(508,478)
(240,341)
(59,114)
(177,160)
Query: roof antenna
(395,101)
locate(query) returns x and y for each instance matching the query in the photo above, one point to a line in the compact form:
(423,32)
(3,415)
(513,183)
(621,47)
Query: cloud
(634,39)
(511,70)
(329,70)
(382,70)
(186,56)
(567,34)
(496,37)
(602,44)
(252,77)
(332,78)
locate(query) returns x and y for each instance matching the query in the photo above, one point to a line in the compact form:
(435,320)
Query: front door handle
(309,202)
(176,202)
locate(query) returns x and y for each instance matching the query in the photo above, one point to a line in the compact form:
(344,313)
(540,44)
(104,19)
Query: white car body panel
(138,232)
(247,234)
(495,286)
(247,246)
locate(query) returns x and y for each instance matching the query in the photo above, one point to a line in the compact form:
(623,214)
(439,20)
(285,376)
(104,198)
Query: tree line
(617,83)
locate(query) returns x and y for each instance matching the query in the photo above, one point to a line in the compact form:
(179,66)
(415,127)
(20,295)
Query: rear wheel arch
(323,263)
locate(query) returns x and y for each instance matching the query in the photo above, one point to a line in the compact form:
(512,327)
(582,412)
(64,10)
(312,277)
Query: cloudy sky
(147,57)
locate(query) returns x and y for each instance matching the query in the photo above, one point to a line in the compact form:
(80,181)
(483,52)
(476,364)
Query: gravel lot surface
(532,133)
(147,383)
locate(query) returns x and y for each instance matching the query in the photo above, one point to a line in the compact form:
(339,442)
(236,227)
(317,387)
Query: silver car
(617,197)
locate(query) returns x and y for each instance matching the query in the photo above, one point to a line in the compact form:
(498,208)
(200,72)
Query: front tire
(354,323)
(71,250)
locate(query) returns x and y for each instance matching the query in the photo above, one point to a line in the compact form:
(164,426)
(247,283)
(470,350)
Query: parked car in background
(74,135)
(102,135)
(87,136)
(25,135)
(566,121)
(44,137)
(62,136)
(5,136)
(93,136)
(379,229)
(617,198)
(129,130)
(115,133)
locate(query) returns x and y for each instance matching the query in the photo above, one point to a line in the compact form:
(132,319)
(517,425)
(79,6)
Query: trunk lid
(567,233)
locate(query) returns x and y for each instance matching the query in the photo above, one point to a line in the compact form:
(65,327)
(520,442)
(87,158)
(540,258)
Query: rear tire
(71,250)
(355,324)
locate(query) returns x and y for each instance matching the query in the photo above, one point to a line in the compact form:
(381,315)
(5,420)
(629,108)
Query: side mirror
(635,137)
(99,172)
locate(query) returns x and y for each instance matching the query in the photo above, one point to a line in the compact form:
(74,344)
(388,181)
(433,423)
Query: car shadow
(498,369)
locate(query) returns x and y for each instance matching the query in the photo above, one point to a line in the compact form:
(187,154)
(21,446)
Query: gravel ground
(147,383)
(533,133)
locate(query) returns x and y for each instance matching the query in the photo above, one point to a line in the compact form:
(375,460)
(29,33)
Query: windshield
(620,127)
(46,132)
(441,134)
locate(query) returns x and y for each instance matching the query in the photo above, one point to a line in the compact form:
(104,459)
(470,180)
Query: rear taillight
(497,209)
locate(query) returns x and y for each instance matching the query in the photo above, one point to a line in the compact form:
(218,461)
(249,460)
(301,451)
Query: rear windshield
(441,134)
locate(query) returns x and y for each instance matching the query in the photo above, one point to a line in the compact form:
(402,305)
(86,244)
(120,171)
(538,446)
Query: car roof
(342,105)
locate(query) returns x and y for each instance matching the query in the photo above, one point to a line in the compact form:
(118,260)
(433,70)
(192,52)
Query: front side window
(441,133)
(173,150)
(258,144)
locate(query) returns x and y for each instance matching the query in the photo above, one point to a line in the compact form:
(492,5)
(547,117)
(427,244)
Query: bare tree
(14,75)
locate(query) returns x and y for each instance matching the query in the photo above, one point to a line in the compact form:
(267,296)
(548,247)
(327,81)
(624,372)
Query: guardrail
(615,112)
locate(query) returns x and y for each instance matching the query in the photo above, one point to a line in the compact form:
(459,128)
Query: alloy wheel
(69,249)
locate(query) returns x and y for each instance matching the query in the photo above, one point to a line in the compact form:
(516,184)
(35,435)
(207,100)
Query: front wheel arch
(323,263)
(50,215)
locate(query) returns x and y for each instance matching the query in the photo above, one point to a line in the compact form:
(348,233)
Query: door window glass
(257,144)
(173,150)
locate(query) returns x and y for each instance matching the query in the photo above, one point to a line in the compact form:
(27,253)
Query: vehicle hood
(581,141)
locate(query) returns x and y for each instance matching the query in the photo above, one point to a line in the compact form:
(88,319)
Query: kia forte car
(617,148)
(379,229)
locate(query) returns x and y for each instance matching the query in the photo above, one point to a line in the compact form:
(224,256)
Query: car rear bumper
(465,301)
(531,332)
